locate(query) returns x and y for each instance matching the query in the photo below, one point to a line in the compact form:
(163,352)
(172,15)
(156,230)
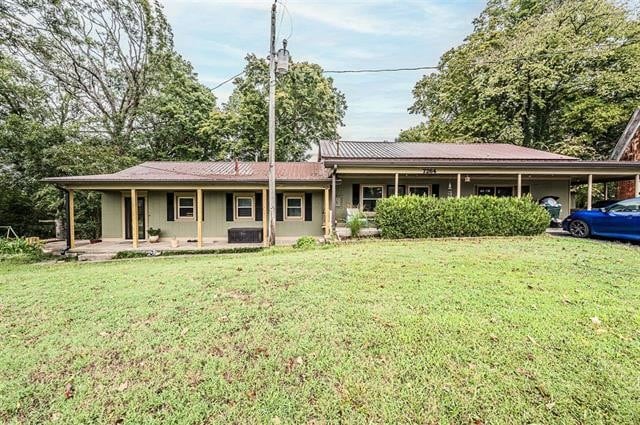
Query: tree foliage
(561,75)
(308,108)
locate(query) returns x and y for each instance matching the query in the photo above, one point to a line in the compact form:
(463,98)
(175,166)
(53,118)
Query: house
(227,201)
(628,149)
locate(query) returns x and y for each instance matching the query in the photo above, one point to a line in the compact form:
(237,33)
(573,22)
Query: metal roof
(358,150)
(206,172)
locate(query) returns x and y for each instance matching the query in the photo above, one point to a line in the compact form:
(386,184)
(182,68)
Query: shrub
(356,222)
(153,232)
(20,248)
(305,242)
(430,217)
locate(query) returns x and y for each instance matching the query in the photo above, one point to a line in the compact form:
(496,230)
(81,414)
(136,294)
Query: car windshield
(630,205)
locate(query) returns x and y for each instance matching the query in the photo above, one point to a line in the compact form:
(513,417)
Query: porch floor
(113,247)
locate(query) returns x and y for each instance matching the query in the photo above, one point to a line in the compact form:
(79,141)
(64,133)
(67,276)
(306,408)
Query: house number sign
(428,171)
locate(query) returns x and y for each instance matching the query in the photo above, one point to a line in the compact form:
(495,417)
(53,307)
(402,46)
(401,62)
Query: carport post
(637,184)
(458,183)
(519,185)
(590,192)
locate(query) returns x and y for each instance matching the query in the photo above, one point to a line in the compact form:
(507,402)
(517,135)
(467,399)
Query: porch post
(72,223)
(333,199)
(519,185)
(327,213)
(199,217)
(396,186)
(265,222)
(590,192)
(637,185)
(134,217)
(458,184)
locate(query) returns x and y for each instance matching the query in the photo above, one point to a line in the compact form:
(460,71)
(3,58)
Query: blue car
(618,221)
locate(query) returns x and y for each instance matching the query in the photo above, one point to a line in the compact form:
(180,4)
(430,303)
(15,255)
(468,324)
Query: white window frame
(194,206)
(421,186)
(288,196)
(250,196)
(362,199)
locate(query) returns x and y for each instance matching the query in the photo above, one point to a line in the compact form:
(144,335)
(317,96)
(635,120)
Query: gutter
(569,164)
(67,228)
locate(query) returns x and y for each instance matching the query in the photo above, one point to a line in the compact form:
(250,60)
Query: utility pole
(272,129)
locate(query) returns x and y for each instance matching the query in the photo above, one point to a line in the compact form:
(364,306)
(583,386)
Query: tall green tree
(103,53)
(308,109)
(561,75)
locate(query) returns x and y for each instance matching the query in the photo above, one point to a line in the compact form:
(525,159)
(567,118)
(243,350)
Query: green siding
(539,188)
(214,224)
(112,215)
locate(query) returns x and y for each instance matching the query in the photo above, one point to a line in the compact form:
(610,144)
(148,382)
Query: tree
(308,108)
(554,75)
(103,53)
(173,113)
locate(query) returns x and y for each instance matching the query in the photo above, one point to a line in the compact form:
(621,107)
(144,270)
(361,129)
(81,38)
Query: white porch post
(327,213)
(637,185)
(396,186)
(199,216)
(519,185)
(134,218)
(458,184)
(590,192)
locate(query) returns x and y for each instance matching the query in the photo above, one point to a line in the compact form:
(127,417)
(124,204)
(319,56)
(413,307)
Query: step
(99,256)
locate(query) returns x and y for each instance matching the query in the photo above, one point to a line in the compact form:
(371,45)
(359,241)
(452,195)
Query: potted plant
(154,235)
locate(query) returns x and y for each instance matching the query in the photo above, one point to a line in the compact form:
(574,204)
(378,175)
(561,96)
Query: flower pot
(154,238)
(174,243)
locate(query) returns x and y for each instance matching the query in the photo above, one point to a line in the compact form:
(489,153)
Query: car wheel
(579,229)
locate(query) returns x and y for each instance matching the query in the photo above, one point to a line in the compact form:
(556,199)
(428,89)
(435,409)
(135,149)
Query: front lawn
(516,330)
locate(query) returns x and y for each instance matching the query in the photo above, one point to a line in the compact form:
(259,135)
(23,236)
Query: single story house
(214,201)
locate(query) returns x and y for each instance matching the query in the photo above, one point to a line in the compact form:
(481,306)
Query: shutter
(355,195)
(435,190)
(279,202)
(258,206)
(308,206)
(229,197)
(204,196)
(170,207)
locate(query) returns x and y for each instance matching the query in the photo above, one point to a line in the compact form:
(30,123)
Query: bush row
(430,217)
(19,250)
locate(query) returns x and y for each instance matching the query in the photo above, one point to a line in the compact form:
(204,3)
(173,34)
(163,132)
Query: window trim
(362,199)
(184,195)
(288,196)
(428,186)
(237,196)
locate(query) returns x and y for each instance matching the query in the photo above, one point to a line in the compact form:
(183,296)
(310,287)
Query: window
(500,191)
(630,205)
(420,190)
(186,207)
(370,196)
(244,207)
(391,190)
(293,207)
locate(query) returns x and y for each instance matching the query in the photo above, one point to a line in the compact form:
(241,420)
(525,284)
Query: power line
(354,71)
(228,80)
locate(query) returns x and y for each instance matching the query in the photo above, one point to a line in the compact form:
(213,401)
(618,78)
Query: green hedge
(430,217)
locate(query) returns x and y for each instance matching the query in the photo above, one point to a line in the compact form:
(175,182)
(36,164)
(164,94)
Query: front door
(142,214)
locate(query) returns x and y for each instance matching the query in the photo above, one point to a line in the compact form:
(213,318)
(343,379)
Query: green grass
(464,331)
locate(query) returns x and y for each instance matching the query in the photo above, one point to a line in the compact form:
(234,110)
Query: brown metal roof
(358,150)
(206,172)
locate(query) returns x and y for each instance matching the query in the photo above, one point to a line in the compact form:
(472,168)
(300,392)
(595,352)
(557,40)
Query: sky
(216,35)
